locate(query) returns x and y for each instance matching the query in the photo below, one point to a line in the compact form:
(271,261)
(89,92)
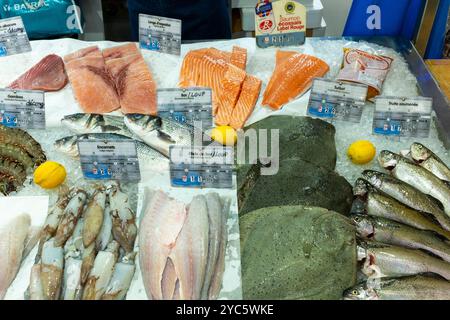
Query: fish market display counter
(151,240)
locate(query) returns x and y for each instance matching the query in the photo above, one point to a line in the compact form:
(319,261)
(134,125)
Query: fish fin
(110,128)
(165,136)
(436,201)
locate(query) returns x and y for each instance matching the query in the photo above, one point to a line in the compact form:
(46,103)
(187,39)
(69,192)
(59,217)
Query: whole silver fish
(406,288)
(394,233)
(430,161)
(377,204)
(418,177)
(82,123)
(160,133)
(68,145)
(382,260)
(407,195)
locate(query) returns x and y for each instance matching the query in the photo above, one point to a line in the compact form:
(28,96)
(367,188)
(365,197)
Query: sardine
(406,288)
(52,266)
(377,204)
(82,123)
(101,273)
(12,238)
(123,218)
(394,233)
(93,216)
(407,195)
(72,213)
(418,177)
(382,260)
(160,133)
(430,161)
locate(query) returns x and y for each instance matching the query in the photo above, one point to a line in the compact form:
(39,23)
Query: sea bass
(394,233)
(374,203)
(382,260)
(82,123)
(407,195)
(417,176)
(427,159)
(406,288)
(160,133)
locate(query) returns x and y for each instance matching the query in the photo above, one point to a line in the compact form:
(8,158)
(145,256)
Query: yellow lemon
(225,135)
(49,175)
(362,152)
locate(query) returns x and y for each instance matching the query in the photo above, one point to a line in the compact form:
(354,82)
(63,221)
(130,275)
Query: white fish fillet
(191,250)
(160,226)
(12,238)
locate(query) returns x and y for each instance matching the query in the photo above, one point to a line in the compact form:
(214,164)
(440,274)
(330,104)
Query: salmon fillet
(93,51)
(292,77)
(120,51)
(134,84)
(246,103)
(46,75)
(92,84)
(239,57)
(231,88)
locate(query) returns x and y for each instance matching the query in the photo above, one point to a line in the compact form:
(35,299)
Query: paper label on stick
(23,109)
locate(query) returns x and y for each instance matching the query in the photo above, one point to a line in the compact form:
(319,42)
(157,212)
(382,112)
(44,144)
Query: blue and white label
(160,34)
(337,100)
(191,106)
(23,109)
(403,117)
(202,167)
(13,37)
(109,160)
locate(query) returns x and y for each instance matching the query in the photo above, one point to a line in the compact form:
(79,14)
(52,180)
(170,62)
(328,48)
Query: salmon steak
(93,86)
(47,75)
(224,73)
(133,80)
(293,76)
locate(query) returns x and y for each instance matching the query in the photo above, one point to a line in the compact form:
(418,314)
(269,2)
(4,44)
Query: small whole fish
(405,288)
(147,155)
(407,195)
(427,159)
(377,204)
(418,177)
(394,233)
(160,133)
(382,260)
(82,123)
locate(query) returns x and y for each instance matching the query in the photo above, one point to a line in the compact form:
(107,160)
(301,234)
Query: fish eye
(357,219)
(355,292)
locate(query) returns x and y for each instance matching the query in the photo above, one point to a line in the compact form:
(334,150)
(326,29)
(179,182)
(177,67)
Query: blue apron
(201,19)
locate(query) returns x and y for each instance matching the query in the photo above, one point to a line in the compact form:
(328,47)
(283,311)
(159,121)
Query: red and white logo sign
(266,25)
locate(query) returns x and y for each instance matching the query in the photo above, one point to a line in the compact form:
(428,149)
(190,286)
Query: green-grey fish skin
(297,252)
(394,233)
(160,133)
(83,123)
(382,260)
(297,183)
(407,195)
(418,177)
(405,288)
(430,161)
(379,205)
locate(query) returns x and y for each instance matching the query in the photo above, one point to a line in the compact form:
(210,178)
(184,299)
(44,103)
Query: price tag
(337,100)
(13,37)
(160,34)
(23,109)
(109,160)
(403,117)
(192,106)
(202,167)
